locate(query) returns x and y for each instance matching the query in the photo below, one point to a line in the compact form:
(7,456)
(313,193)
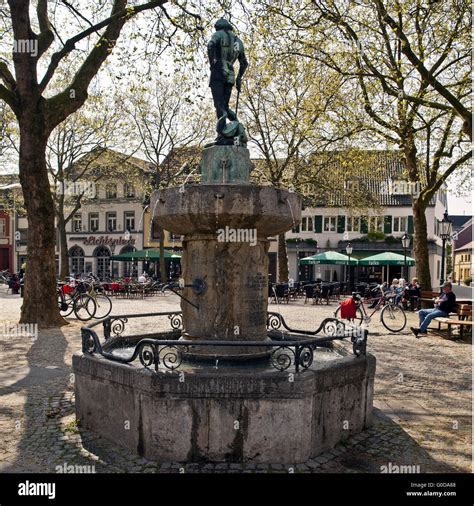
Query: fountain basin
(205,208)
(225,414)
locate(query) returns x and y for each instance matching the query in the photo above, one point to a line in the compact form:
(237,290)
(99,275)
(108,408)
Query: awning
(387,258)
(144,254)
(329,257)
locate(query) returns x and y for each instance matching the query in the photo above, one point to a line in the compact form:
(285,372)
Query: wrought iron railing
(286,347)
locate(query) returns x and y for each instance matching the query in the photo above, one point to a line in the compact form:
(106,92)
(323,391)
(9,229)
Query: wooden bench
(462,318)
(426,299)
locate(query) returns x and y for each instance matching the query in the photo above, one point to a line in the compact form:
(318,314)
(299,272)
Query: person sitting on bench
(444,305)
(412,294)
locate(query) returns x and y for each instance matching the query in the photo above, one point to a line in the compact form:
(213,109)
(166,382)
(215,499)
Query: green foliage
(468,281)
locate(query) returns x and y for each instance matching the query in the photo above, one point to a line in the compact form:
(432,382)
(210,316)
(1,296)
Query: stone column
(226,228)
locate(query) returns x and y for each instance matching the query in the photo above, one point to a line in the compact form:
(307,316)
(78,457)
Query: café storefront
(92,254)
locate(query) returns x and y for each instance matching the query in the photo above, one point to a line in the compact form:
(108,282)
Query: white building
(327,227)
(111,222)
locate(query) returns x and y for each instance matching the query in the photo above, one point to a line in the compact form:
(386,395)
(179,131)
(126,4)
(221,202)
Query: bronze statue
(224,49)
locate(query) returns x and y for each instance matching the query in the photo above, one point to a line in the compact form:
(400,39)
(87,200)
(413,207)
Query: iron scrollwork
(304,356)
(90,342)
(282,357)
(176,321)
(117,326)
(273,321)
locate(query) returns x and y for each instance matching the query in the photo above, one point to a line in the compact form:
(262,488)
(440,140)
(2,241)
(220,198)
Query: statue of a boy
(224,49)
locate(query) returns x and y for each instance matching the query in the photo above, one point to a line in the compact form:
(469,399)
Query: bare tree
(165,118)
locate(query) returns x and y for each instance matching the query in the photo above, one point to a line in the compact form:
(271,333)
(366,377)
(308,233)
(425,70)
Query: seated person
(412,294)
(444,305)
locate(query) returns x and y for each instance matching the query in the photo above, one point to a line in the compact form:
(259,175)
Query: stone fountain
(218,398)
(231,381)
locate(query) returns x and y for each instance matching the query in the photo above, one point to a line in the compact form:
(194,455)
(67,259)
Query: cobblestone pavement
(422,399)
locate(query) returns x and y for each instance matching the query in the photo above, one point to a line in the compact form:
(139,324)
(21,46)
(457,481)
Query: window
(375,223)
(76,255)
(296,229)
(77,223)
(330,223)
(307,224)
(353,224)
(399,224)
(130,220)
(111,191)
(111,222)
(93,222)
(128,190)
(3,227)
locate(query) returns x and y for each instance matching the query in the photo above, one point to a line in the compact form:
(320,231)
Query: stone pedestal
(225,165)
(226,230)
(225,414)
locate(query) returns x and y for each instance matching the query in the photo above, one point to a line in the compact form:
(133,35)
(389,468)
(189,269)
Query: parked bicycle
(77,302)
(96,291)
(393,317)
(4,276)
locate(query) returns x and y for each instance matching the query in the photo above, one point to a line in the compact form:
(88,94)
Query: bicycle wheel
(84,307)
(393,318)
(68,299)
(103,306)
(358,319)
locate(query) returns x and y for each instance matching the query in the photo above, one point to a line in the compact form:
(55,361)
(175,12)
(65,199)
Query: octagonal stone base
(227,414)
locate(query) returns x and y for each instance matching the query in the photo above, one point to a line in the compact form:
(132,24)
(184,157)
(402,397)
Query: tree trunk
(420,245)
(40,303)
(283,272)
(420,238)
(163,274)
(63,251)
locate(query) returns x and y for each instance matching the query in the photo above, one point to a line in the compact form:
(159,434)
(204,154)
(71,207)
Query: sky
(460,205)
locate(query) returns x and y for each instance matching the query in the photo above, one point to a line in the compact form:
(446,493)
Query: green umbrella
(387,258)
(144,254)
(329,257)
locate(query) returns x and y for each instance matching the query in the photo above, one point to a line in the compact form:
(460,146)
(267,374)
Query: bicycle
(82,304)
(393,317)
(4,276)
(102,301)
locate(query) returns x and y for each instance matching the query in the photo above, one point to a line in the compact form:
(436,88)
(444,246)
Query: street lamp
(112,249)
(446,227)
(406,245)
(349,253)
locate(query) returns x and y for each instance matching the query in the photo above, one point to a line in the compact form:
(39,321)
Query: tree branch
(120,13)
(46,36)
(425,73)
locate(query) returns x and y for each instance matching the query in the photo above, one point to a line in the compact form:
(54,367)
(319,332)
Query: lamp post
(112,249)
(406,245)
(349,253)
(446,226)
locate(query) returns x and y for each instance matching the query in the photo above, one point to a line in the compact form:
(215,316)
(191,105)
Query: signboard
(92,240)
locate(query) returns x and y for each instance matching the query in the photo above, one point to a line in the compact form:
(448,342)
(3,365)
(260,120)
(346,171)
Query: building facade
(6,241)
(330,224)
